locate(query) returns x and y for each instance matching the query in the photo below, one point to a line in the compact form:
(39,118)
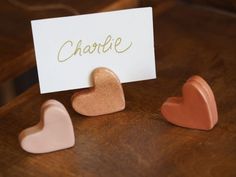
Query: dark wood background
(190,38)
(229,5)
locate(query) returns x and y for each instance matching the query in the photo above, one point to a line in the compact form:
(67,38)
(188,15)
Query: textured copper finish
(105,97)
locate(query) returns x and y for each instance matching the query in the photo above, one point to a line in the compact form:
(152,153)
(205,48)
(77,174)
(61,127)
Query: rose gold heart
(105,97)
(53,132)
(195,109)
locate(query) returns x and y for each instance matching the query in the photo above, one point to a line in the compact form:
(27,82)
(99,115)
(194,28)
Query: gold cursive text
(78,48)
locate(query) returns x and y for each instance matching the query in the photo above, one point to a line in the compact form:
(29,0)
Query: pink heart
(53,132)
(196,109)
(105,97)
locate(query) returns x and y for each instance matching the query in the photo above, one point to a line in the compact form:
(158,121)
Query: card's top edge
(97,13)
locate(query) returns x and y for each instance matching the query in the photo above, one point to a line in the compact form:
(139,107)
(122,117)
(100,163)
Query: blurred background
(18,68)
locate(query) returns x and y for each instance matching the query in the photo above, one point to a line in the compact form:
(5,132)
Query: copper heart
(196,109)
(105,97)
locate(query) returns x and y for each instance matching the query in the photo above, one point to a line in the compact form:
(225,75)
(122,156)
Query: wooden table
(138,142)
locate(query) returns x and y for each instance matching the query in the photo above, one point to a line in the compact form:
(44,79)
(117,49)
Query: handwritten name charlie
(78,48)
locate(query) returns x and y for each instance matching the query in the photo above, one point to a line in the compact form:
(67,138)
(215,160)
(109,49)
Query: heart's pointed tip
(24,143)
(24,138)
(168,104)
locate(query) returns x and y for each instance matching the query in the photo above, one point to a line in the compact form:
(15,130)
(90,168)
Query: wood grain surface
(138,142)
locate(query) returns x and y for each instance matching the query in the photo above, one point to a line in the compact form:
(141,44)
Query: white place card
(68,49)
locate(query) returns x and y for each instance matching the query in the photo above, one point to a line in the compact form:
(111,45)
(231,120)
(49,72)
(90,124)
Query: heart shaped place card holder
(105,97)
(68,50)
(195,110)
